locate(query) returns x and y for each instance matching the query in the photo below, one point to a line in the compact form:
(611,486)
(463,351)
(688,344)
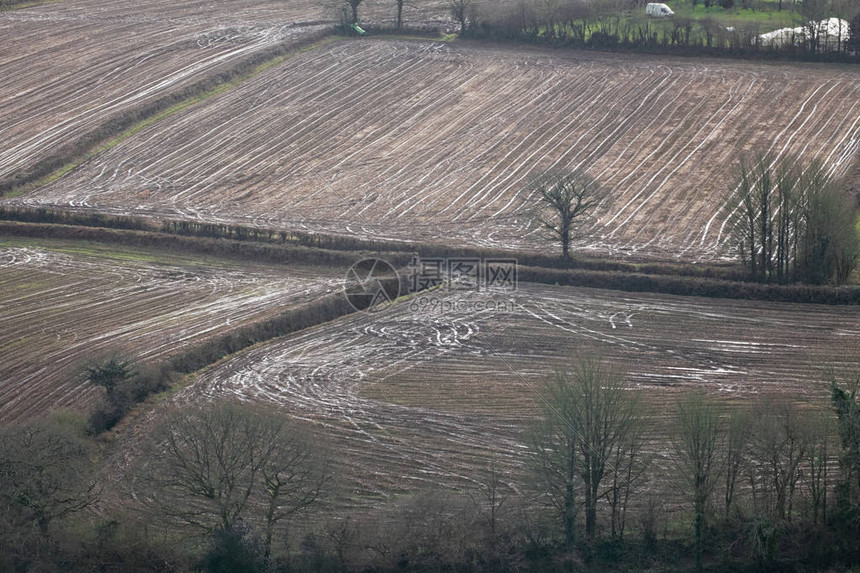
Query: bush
(237,550)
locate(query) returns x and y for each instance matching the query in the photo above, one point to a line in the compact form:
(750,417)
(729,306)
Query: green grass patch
(111,252)
(412,37)
(767,18)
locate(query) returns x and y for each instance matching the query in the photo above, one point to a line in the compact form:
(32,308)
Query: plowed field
(432,141)
(67,68)
(62,304)
(415,397)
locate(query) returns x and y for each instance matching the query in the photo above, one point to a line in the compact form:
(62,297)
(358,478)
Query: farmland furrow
(430,141)
(59,310)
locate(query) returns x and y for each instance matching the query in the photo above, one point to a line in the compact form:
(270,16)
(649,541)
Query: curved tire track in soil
(411,398)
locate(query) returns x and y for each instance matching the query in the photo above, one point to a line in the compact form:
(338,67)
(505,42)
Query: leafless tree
(696,456)
(629,471)
(353,6)
(736,450)
(780,444)
(815,473)
(589,412)
(46,473)
(566,200)
(813,11)
(212,466)
(490,505)
(554,446)
(463,12)
(792,222)
(292,476)
(400,13)
(828,245)
(426,530)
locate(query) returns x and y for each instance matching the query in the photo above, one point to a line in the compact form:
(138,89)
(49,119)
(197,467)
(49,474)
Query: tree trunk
(700,526)
(569,507)
(590,511)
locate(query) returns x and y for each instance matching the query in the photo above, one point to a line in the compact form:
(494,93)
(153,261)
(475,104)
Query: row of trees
(764,467)
(789,222)
(238,476)
(464,12)
(228,472)
(623,23)
(793,223)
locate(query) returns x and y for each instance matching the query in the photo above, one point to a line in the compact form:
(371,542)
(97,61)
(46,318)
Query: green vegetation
(768,14)
(731,27)
(792,223)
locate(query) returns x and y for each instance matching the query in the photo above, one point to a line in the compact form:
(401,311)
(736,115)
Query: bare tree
(353,6)
(779,446)
(490,507)
(629,468)
(589,414)
(815,474)
(792,222)
(400,13)
(425,530)
(813,12)
(828,244)
(46,473)
(292,476)
(463,12)
(747,211)
(553,445)
(566,200)
(737,446)
(696,450)
(213,466)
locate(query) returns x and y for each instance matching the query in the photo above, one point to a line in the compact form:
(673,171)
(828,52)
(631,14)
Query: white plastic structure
(829,35)
(658,10)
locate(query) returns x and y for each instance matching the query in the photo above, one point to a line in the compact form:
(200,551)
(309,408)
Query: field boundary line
(621,280)
(191,228)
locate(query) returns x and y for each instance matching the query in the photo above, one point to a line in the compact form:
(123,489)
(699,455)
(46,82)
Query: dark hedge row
(293,320)
(692,286)
(345,243)
(232,249)
(601,274)
(66,217)
(157,378)
(604,32)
